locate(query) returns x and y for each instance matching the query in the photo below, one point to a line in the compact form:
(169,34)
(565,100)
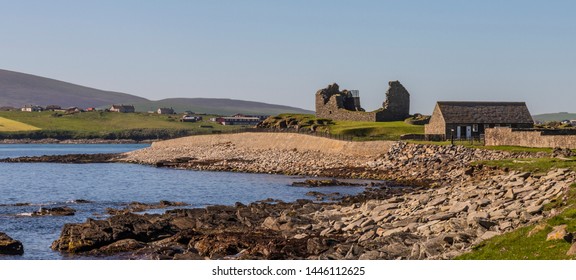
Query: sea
(28,187)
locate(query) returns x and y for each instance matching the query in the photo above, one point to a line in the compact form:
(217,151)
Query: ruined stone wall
(331,103)
(504,136)
(334,110)
(397,104)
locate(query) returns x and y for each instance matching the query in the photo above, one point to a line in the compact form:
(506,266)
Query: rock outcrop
(55,211)
(9,246)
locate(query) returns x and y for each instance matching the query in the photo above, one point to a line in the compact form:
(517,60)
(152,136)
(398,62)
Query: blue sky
(283,51)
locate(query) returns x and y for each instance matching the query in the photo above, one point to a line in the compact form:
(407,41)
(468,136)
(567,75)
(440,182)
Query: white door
(468,132)
(458,132)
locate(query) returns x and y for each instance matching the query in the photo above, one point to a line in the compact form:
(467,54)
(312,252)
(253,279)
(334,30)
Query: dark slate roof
(485,112)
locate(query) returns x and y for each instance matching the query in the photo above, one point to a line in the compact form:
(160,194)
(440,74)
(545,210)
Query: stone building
(165,111)
(470,119)
(331,103)
(122,108)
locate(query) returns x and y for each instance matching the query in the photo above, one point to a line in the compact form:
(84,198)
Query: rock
(437,201)
(558,232)
(124,245)
(9,246)
(370,255)
(367,236)
(55,211)
(474,216)
(534,209)
(441,216)
(488,235)
(94,234)
(271,223)
(384,207)
(572,250)
(509,194)
(485,223)
(459,207)
(316,246)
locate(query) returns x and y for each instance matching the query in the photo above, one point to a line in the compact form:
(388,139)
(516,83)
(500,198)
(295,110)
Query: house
(72,110)
(466,120)
(53,108)
(122,108)
(32,108)
(165,111)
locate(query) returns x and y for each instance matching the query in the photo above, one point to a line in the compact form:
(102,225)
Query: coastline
(73,141)
(456,206)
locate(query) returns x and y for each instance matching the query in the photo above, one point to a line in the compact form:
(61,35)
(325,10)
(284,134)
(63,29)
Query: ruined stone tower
(331,103)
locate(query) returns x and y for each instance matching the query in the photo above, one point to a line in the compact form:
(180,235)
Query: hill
(218,106)
(19,89)
(555,117)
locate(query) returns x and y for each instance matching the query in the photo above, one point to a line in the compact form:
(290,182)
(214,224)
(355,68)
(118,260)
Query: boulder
(534,209)
(9,246)
(558,232)
(572,250)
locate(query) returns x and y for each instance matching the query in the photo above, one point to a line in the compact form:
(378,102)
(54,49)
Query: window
(474,128)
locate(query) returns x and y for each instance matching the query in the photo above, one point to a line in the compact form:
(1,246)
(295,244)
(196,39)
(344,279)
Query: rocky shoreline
(69,158)
(448,207)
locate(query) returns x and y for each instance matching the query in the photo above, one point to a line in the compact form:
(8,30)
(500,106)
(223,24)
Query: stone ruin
(331,103)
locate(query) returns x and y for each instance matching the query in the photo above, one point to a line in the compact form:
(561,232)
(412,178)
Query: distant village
(188,116)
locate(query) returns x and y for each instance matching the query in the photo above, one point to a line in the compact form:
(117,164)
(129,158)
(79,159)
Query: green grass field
(100,121)
(107,125)
(375,130)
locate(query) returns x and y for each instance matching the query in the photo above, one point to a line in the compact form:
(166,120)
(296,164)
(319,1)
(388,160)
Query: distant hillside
(554,117)
(218,106)
(19,89)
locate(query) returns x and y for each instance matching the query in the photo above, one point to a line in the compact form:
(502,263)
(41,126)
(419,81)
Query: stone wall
(436,126)
(331,103)
(504,136)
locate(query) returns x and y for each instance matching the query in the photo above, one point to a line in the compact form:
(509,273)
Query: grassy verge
(350,129)
(518,245)
(375,130)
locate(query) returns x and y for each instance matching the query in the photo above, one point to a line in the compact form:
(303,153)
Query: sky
(282,52)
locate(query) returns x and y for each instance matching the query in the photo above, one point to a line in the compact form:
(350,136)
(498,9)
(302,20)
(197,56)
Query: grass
(356,130)
(105,121)
(517,245)
(11,125)
(375,130)
(107,125)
